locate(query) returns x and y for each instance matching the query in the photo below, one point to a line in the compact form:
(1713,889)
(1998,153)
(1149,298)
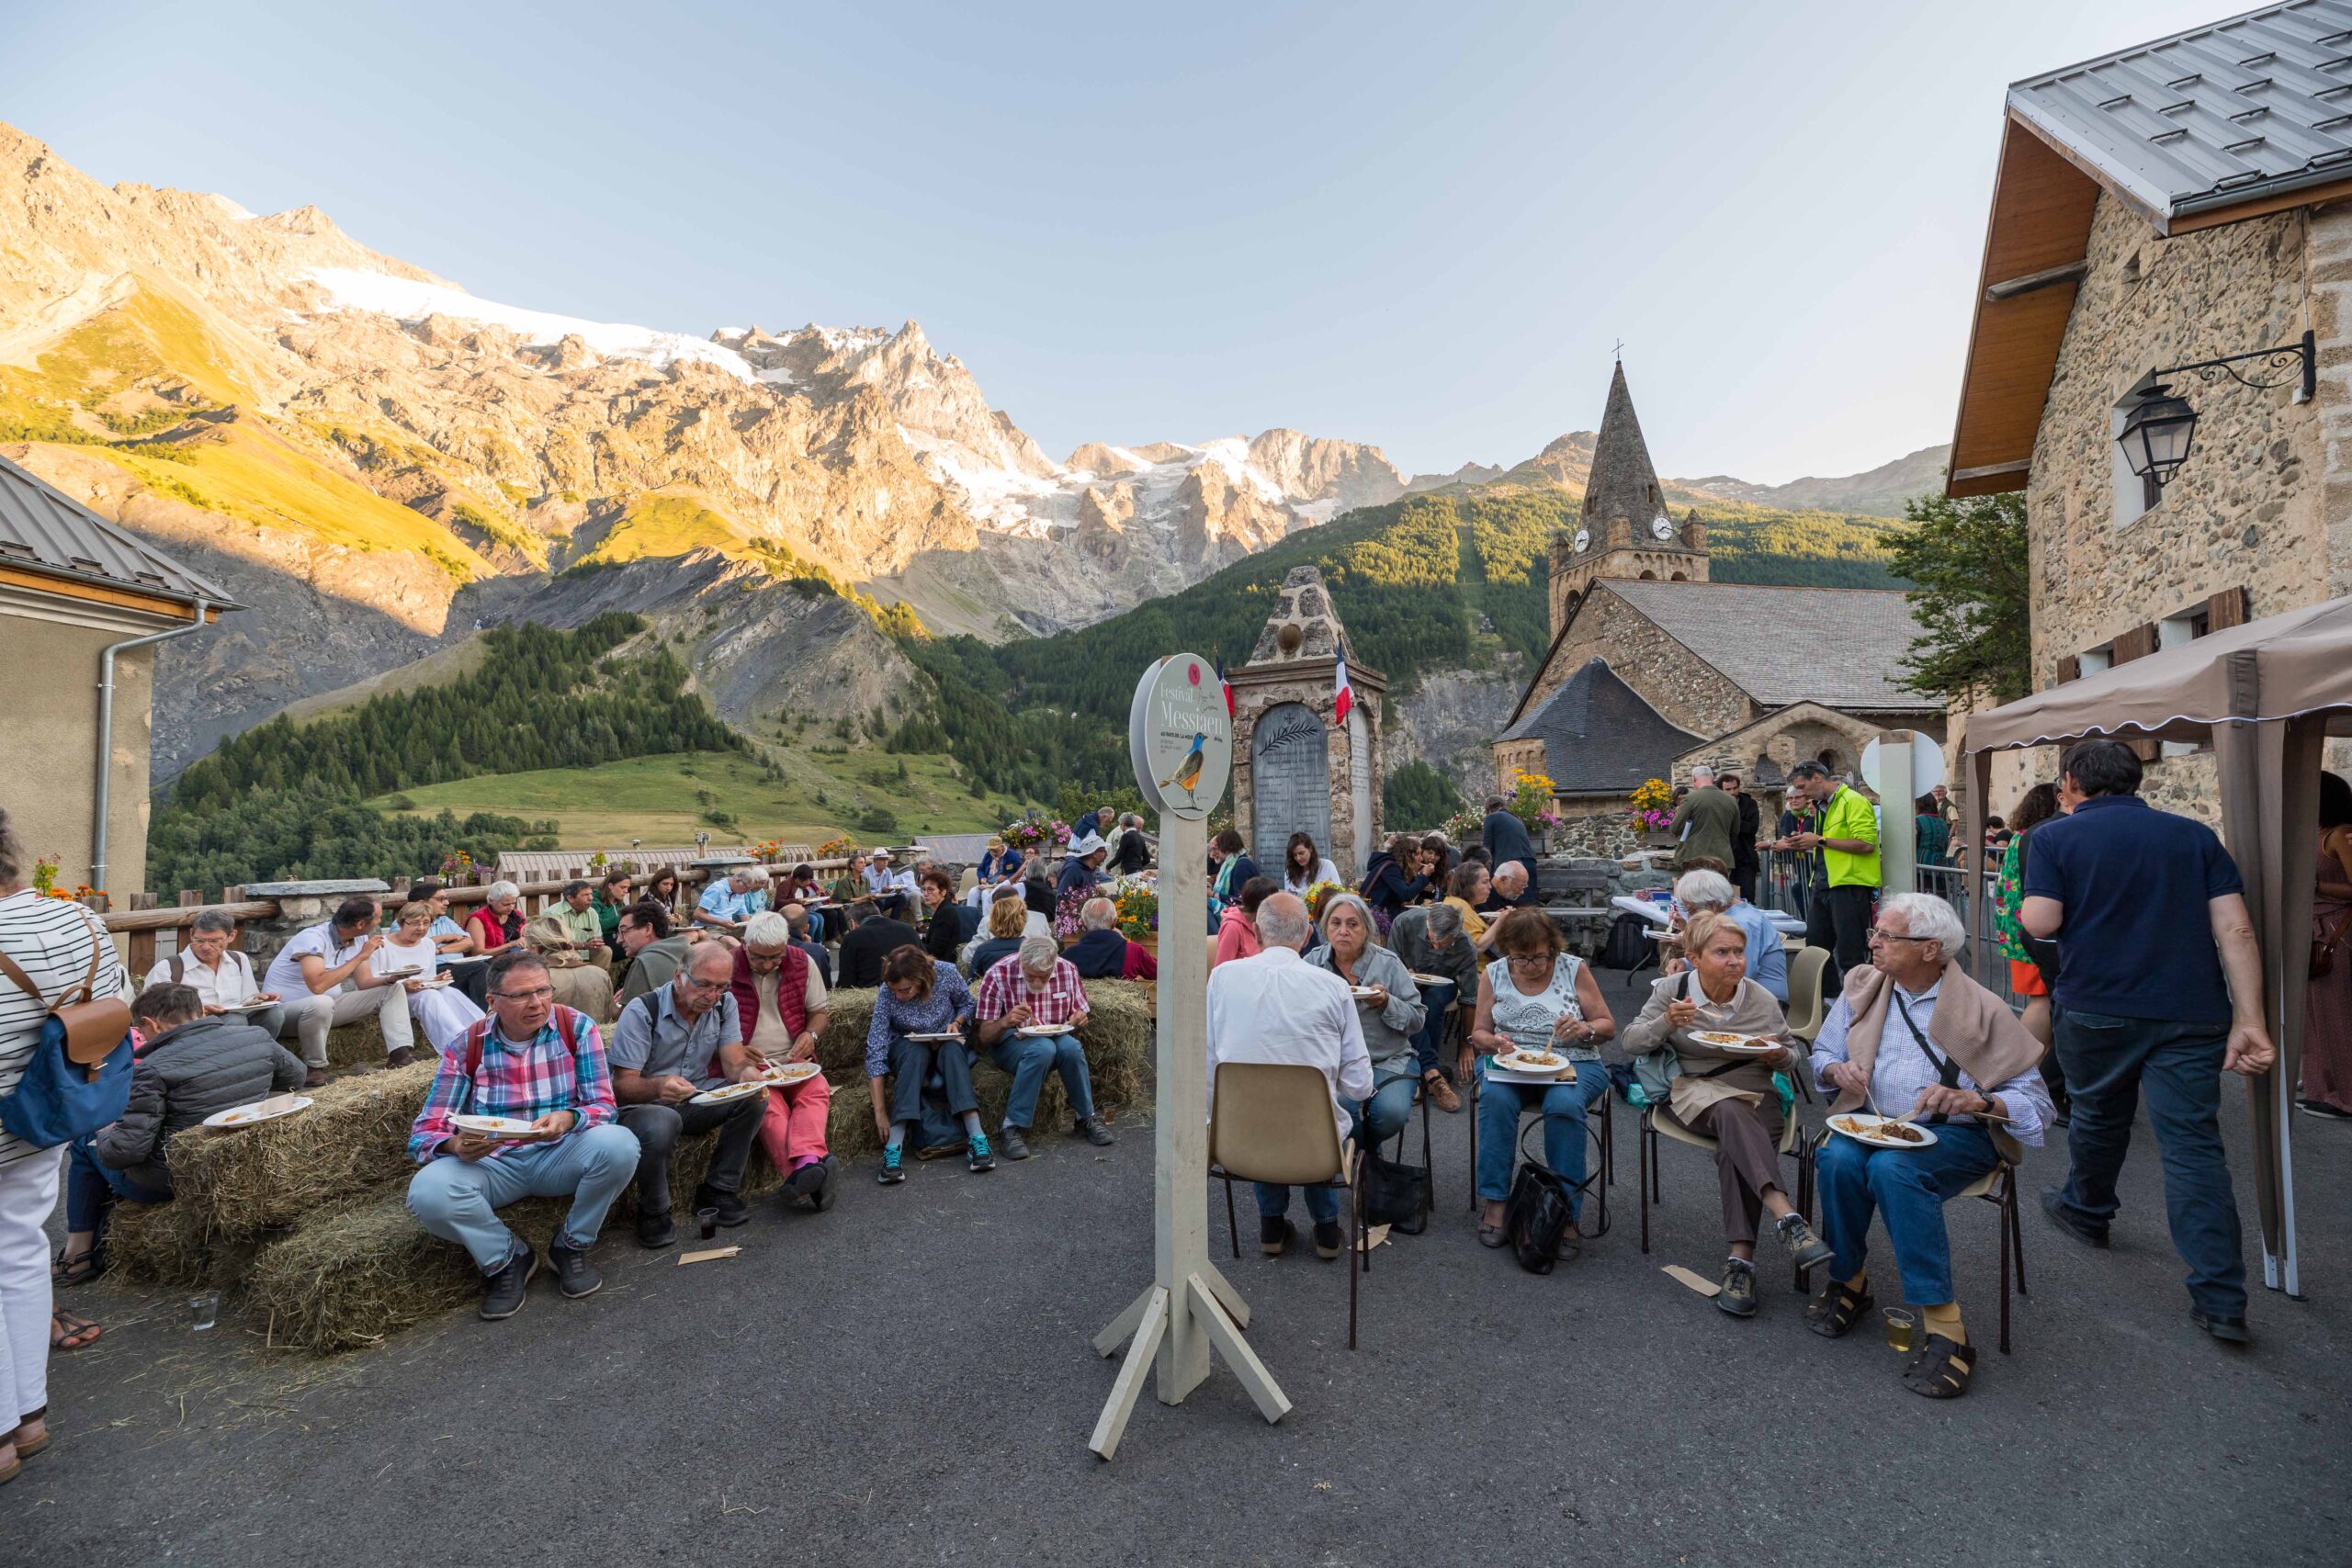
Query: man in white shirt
(893,891)
(325,974)
(1275,1006)
(221,975)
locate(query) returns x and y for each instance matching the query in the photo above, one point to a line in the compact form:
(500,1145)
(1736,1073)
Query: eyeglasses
(1529,959)
(543,993)
(1879,935)
(693,983)
(762,960)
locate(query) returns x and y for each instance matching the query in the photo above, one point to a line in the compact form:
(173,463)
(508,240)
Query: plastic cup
(1901,1330)
(709,1220)
(203,1312)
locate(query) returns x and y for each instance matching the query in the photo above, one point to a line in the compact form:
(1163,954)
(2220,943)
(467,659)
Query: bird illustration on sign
(1188,772)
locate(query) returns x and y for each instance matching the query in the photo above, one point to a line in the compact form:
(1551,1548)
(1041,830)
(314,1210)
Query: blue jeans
(2107,1062)
(90,1188)
(1322,1202)
(1908,1188)
(1439,999)
(1390,1108)
(1027,1059)
(1564,1104)
(458,1201)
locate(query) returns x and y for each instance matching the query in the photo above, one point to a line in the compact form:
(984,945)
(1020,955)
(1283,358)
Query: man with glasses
(535,1062)
(1915,1038)
(669,1046)
(780,998)
(648,948)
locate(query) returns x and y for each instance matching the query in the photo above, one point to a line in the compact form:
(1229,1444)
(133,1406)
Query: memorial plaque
(1290,783)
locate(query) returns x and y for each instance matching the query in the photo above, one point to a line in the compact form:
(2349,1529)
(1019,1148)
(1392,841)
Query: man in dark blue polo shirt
(2159,990)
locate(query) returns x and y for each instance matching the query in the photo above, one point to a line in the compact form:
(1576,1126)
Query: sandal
(1835,1307)
(77,1270)
(1940,1372)
(68,1331)
(1493,1235)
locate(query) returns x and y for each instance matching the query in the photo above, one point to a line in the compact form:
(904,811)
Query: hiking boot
(574,1276)
(501,1293)
(1808,1249)
(1090,1128)
(732,1210)
(654,1229)
(1014,1146)
(1441,1094)
(1274,1233)
(894,1166)
(1738,1296)
(404,1057)
(2062,1215)
(1328,1241)
(980,1157)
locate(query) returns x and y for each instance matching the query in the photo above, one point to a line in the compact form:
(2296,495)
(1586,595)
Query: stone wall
(1686,692)
(1594,828)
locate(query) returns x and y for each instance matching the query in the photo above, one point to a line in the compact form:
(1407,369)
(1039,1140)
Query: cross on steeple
(1619,352)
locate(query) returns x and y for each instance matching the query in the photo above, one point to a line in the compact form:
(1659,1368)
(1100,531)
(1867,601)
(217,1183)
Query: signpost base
(1218,1312)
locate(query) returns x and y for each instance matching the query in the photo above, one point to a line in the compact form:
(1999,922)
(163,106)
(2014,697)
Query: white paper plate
(502,1127)
(260,1110)
(1735,1043)
(1512,1062)
(1862,1127)
(937,1038)
(1040,1030)
(249,1006)
(727,1092)
(790,1073)
(1430,980)
(1359,992)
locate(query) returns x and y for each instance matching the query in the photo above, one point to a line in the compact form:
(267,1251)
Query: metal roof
(1838,646)
(42,528)
(1600,737)
(2260,105)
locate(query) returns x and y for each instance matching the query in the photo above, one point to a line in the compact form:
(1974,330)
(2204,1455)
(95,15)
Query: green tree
(1969,560)
(1417,797)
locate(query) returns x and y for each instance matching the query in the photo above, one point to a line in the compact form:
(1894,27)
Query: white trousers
(310,1017)
(27,1193)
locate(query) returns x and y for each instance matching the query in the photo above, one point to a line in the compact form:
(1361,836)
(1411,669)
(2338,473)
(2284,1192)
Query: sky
(1420,226)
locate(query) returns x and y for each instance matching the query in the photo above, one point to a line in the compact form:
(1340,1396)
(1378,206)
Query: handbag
(1536,1217)
(2323,947)
(1395,1194)
(56,1100)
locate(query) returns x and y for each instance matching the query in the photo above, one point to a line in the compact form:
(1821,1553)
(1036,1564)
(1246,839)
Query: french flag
(1343,696)
(1225,686)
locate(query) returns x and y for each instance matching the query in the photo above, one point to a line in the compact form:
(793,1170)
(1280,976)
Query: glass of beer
(1901,1330)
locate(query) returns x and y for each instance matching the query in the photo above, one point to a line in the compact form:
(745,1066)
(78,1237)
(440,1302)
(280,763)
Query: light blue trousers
(459,1202)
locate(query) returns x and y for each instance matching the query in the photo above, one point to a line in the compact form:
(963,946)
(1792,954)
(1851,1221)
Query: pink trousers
(794,1128)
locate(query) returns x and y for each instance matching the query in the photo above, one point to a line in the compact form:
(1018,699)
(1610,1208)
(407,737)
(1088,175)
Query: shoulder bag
(59,1099)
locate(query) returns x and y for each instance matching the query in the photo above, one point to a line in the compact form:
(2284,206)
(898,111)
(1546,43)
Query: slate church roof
(1600,737)
(1839,646)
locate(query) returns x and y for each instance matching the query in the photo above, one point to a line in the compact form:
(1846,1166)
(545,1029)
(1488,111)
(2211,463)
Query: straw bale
(352,1142)
(169,1244)
(351,1277)
(356,1044)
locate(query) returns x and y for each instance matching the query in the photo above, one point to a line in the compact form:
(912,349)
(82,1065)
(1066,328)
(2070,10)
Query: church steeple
(1624,529)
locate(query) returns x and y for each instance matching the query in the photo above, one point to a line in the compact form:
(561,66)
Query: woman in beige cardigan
(1727,1095)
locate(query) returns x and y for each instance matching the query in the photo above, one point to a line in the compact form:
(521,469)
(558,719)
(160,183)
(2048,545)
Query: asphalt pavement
(907,1379)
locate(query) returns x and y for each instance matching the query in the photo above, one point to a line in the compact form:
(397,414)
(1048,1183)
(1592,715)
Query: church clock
(1661,527)
(1584,540)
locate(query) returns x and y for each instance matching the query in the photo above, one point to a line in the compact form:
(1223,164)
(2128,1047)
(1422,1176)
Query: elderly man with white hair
(1275,1006)
(1031,1006)
(1768,956)
(1915,1036)
(1102,952)
(726,904)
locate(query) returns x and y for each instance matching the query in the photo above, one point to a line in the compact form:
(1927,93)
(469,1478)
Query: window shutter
(2138,643)
(2069,669)
(2227,609)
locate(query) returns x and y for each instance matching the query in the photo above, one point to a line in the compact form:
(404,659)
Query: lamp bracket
(2266,369)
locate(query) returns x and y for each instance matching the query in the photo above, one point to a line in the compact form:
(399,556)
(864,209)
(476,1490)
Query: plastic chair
(1660,1123)
(1807,1004)
(971,880)
(1272,1122)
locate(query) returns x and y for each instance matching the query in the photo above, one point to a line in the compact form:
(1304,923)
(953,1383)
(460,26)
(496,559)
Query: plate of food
(938,1037)
(791,1072)
(1737,1043)
(1360,992)
(247,1007)
(260,1110)
(507,1129)
(731,1091)
(1533,1062)
(1880,1131)
(407,972)
(1430,980)
(1041,1031)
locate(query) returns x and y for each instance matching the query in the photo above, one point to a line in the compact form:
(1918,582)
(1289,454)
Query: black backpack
(1629,946)
(1536,1217)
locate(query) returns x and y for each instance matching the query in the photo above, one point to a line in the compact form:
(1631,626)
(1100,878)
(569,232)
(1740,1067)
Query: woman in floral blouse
(2039,805)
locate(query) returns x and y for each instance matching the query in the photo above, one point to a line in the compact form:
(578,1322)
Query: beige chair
(1272,1122)
(1807,1004)
(1660,1125)
(971,880)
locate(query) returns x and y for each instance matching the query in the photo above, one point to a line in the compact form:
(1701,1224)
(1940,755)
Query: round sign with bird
(1179,735)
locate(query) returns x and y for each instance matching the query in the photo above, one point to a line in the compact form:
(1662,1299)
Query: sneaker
(1092,1129)
(981,1157)
(1274,1233)
(2228,1330)
(2322,1110)
(1442,1096)
(574,1275)
(404,1057)
(1328,1241)
(2062,1215)
(1797,1235)
(732,1210)
(894,1167)
(654,1229)
(1014,1146)
(501,1293)
(815,1183)
(1738,1296)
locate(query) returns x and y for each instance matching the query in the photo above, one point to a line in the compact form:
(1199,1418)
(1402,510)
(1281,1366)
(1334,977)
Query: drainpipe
(106,732)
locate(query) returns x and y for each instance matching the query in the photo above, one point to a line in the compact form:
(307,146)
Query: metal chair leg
(1645,1156)
(1232,1226)
(2016,1230)
(1477,1090)
(1355,1228)
(2005,1270)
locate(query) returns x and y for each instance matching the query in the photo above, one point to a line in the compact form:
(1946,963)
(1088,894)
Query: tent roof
(2298,661)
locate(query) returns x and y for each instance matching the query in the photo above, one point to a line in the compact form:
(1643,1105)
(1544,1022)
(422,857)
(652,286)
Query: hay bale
(351,1277)
(170,1244)
(360,1043)
(352,1143)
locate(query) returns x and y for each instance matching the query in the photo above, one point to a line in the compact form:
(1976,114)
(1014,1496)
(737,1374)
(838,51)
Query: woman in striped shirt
(51,940)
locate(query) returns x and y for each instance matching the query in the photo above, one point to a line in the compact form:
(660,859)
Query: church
(1654,667)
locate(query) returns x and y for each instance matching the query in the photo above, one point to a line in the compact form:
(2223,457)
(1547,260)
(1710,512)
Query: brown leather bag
(95,1025)
(2323,946)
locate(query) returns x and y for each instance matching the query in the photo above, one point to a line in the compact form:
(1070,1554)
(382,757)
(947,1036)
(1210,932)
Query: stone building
(1654,667)
(2183,200)
(74,586)
(1294,769)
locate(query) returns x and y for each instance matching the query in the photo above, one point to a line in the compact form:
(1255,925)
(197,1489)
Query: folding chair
(1272,1122)
(1659,1124)
(1604,1172)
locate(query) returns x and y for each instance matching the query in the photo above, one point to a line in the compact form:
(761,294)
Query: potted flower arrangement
(1653,804)
(1317,895)
(1534,801)
(1138,906)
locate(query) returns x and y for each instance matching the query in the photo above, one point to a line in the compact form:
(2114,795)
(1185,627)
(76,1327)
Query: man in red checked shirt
(537,1063)
(1036,989)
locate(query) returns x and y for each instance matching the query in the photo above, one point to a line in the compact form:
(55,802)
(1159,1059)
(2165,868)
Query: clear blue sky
(1419,225)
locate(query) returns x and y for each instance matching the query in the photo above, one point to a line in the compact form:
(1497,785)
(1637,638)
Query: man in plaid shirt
(1036,988)
(538,1063)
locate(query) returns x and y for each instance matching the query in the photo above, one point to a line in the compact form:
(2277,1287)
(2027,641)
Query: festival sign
(1180,738)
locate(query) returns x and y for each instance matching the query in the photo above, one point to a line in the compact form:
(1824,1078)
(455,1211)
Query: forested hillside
(1432,582)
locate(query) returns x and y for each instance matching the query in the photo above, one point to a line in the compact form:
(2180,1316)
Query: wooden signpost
(1180,738)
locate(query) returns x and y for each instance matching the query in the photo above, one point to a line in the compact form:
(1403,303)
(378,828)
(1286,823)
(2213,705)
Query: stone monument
(1294,769)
